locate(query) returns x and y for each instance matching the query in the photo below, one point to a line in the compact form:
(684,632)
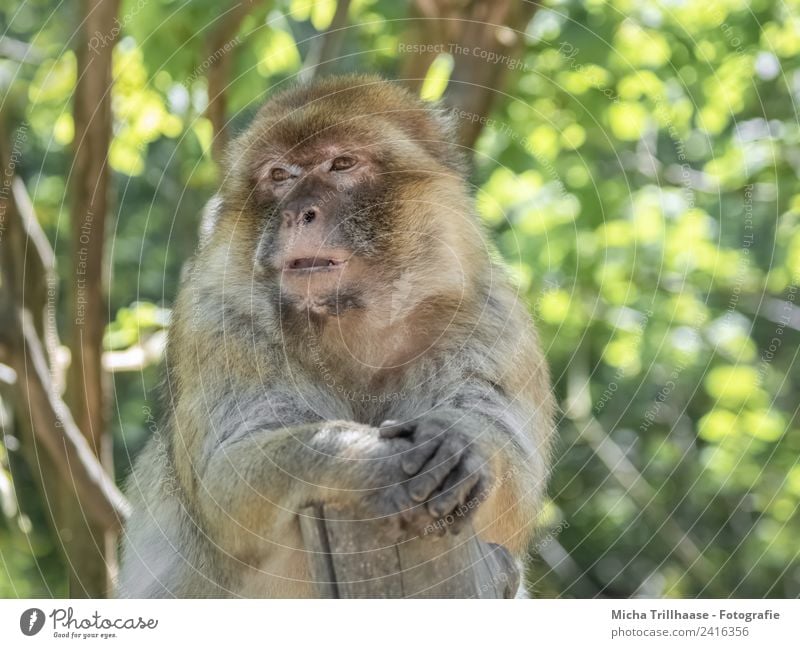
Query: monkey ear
(212,212)
(451,152)
(445,119)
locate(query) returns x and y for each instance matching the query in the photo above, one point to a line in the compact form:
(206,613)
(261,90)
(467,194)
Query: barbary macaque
(343,335)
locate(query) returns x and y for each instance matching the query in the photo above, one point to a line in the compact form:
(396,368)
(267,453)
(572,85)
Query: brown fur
(277,391)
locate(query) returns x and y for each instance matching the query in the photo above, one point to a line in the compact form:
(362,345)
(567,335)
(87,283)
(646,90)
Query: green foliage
(132,323)
(640,179)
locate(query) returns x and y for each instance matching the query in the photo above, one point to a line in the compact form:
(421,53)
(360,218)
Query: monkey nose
(304,216)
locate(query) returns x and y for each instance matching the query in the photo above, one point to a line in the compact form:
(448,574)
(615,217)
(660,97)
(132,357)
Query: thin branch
(137,357)
(19,51)
(321,58)
(778,311)
(55,428)
(642,492)
(221,45)
(27,263)
(578,408)
(564,566)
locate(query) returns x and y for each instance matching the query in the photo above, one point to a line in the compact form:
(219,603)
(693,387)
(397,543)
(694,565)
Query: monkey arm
(251,485)
(510,427)
(509,439)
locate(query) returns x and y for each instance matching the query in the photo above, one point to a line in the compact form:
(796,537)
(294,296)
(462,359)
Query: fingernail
(408,466)
(418,494)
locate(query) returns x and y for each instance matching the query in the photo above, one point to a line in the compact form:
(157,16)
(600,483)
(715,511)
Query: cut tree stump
(356,558)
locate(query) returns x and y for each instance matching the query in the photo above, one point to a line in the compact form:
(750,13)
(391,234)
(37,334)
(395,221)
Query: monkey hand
(447,476)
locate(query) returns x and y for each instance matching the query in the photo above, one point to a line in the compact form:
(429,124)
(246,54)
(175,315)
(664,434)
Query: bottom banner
(400,623)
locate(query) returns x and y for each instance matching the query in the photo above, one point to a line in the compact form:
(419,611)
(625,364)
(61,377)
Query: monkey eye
(343,163)
(279,174)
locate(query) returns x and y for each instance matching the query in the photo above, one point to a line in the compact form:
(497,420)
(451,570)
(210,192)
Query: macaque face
(328,175)
(312,199)
(323,225)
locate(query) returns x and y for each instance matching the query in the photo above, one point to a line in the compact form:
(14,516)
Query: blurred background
(635,161)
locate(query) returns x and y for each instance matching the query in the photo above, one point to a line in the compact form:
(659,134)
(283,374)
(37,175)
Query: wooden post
(355,558)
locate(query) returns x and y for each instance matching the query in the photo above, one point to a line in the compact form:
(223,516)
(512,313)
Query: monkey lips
(320,280)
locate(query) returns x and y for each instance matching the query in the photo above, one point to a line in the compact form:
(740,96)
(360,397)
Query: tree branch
(55,428)
(321,59)
(27,264)
(488,27)
(578,408)
(19,51)
(430,25)
(469,30)
(221,45)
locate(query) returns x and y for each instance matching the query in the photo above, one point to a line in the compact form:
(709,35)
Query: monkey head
(346,188)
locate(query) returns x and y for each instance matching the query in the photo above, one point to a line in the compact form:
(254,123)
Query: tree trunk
(476,82)
(467,30)
(90,550)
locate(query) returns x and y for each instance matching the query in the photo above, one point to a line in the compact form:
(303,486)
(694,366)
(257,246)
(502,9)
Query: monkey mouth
(313,264)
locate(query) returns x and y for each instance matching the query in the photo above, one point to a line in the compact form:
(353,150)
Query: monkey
(343,334)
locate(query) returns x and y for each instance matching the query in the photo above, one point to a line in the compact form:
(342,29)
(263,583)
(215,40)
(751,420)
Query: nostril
(295,218)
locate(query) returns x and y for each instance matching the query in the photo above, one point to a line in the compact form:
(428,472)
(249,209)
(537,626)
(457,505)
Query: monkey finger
(435,471)
(415,458)
(462,514)
(453,493)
